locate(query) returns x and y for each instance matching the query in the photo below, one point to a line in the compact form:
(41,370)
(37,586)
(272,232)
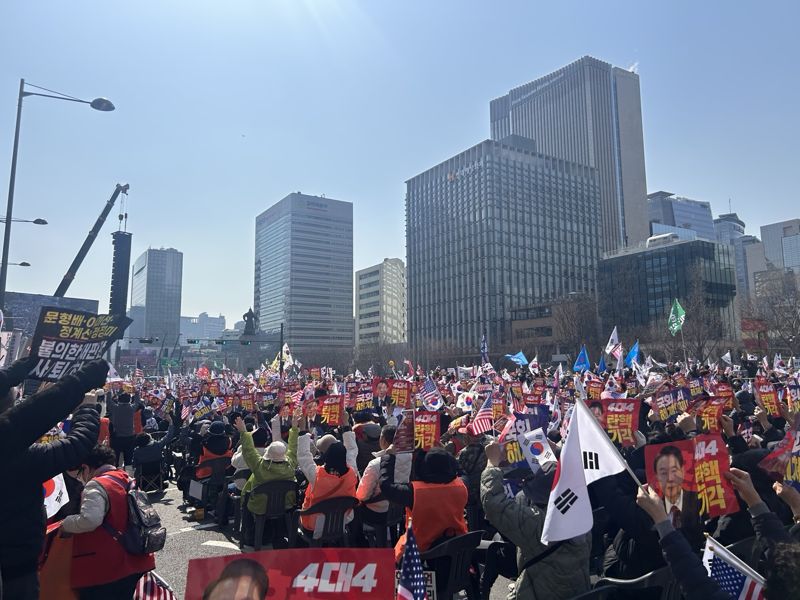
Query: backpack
(144,533)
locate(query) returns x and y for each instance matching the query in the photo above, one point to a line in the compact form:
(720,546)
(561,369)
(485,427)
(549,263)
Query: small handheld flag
(676,317)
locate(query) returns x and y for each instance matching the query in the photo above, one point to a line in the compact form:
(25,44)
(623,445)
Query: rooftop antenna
(730,210)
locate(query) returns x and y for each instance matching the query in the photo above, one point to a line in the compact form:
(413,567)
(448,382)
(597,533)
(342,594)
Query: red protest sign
(767,396)
(498,407)
(690,475)
(724,390)
(532,399)
(708,415)
(672,402)
(404,436)
(620,419)
(310,573)
(426,429)
(315,373)
(247,402)
(332,410)
(593,389)
(401,393)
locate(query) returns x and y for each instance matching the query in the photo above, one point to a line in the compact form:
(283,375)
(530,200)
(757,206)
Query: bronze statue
(250,322)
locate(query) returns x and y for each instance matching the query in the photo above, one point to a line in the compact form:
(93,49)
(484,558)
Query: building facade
(156,286)
(381,303)
(590,113)
(636,286)
(781,242)
(203,328)
(669,213)
(304,273)
(493,228)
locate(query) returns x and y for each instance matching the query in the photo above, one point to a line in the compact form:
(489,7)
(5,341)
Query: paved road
(187,539)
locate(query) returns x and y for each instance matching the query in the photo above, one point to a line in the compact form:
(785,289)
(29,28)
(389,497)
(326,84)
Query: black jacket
(22,517)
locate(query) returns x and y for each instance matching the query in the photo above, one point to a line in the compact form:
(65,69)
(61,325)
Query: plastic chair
(276,492)
(660,578)
(334,511)
(459,552)
(217,480)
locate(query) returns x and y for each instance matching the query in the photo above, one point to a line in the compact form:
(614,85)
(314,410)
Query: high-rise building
(202,328)
(304,273)
(781,243)
(496,227)
(652,277)
(381,303)
(730,230)
(156,285)
(590,113)
(689,219)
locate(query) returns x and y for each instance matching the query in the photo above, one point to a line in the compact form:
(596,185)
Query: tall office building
(590,113)
(202,328)
(782,244)
(156,286)
(730,230)
(688,219)
(381,303)
(493,228)
(304,273)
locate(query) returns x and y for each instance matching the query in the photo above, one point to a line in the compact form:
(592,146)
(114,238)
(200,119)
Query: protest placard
(65,339)
(310,573)
(426,429)
(331,410)
(767,396)
(708,413)
(724,390)
(670,403)
(620,418)
(404,436)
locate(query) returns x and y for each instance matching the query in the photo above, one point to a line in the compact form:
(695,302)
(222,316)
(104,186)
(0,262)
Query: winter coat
(562,574)
(22,516)
(265,470)
(471,463)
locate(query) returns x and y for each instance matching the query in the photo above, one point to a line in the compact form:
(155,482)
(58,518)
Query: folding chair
(660,578)
(150,476)
(334,529)
(459,552)
(216,481)
(276,492)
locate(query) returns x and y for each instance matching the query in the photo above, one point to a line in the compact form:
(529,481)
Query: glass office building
(304,272)
(493,228)
(381,303)
(665,209)
(772,236)
(636,287)
(156,288)
(588,112)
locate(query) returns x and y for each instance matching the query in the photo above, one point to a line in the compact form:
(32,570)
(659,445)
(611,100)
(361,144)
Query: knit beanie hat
(325,442)
(438,466)
(335,458)
(260,437)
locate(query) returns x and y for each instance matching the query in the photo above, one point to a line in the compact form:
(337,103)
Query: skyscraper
(304,273)
(381,303)
(688,219)
(156,287)
(730,230)
(590,113)
(493,228)
(782,244)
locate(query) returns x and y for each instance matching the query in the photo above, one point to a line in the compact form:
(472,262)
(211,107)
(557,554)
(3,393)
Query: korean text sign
(621,420)
(65,339)
(332,410)
(313,573)
(426,429)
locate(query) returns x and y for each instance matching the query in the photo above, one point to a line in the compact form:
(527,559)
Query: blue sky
(225,107)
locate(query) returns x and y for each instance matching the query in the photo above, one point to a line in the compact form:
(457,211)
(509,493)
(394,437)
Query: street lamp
(101,104)
(34,221)
(20,264)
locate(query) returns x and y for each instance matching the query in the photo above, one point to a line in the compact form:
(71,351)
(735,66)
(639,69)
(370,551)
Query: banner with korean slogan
(400,391)
(331,409)
(594,388)
(708,414)
(784,460)
(724,390)
(308,574)
(620,419)
(672,403)
(404,436)
(426,429)
(247,402)
(519,424)
(767,396)
(65,339)
(498,406)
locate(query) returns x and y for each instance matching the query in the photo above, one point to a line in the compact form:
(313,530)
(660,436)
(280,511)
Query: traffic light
(244,343)
(145,340)
(192,341)
(219,342)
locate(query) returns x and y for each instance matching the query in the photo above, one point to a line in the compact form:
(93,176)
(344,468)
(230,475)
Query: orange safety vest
(438,510)
(327,486)
(201,472)
(97,558)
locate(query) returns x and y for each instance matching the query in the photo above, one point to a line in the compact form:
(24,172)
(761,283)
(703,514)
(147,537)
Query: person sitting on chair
(148,453)
(216,445)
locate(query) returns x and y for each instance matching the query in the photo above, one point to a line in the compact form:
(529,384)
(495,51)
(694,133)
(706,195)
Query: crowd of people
(323,436)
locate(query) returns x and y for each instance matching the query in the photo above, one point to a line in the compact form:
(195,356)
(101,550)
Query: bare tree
(778,303)
(575,323)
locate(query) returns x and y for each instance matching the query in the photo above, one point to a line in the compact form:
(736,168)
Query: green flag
(676,317)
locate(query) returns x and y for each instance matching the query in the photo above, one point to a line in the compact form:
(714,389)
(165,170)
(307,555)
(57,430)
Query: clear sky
(224,107)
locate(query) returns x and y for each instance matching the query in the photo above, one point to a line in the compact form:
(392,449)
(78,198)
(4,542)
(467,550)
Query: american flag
(412,579)
(483,421)
(431,397)
(731,574)
(138,373)
(185,411)
(151,587)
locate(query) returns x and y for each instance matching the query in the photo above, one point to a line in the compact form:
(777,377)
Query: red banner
(498,407)
(620,419)
(310,573)
(593,389)
(247,402)
(724,390)
(331,410)
(426,429)
(708,415)
(767,396)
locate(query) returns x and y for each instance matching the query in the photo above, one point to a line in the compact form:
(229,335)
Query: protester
(122,413)
(101,566)
(216,444)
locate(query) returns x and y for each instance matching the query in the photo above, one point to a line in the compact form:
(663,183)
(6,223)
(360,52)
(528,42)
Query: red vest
(201,472)
(327,486)
(104,436)
(438,510)
(97,558)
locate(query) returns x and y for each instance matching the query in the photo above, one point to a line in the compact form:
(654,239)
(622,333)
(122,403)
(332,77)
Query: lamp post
(101,104)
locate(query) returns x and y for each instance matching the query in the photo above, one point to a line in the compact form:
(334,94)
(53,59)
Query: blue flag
(582,362)
(602,368)
(518,358)
(633,354)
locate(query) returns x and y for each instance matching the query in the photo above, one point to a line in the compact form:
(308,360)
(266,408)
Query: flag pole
(683,343)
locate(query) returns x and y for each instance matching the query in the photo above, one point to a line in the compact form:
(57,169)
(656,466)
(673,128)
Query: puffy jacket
(22,516)
(153,452)
(121,415)
(264,470)
(562,574)
(202,472)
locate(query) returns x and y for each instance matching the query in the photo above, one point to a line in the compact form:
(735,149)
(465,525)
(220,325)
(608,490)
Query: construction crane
(87,244)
